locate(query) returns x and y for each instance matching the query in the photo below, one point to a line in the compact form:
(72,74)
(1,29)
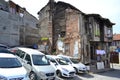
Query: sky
(106,8)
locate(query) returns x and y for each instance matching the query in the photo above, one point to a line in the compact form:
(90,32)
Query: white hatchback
(77,65)
(11,68)
(62,68)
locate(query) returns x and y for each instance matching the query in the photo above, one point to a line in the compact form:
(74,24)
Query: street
(108,75)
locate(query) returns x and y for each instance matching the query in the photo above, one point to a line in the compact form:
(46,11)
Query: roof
(7,55)
(46,6)
(61,4)
(30,51)
(116,37)
(99,18)
(66,5)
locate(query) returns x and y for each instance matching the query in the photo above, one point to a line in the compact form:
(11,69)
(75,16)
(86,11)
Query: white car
(11,68)
(62,68)
(77,65)
(36,63)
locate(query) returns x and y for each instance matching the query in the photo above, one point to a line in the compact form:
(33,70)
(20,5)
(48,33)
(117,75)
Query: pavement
(113,74)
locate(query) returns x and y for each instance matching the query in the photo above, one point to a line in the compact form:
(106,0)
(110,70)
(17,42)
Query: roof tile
(116,37)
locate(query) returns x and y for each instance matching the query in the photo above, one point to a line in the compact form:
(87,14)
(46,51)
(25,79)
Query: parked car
(77,65)
(11,68)
(36,63)
(2,46)
(62,68)
(5,51)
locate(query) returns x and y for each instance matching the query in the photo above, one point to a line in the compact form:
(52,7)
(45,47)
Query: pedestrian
(35,46)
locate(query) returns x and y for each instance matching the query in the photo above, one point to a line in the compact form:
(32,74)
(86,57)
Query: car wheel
(59,74)
(32,76)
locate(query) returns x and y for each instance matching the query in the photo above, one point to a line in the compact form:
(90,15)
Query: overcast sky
(106,8)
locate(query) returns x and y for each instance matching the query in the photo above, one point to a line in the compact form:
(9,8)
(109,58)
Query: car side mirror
(28,62)
(55,64)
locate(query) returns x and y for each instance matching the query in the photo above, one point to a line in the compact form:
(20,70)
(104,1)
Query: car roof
(53,56)
(65,56)
(2,46)
(5,51)
(7,55)
(30,51)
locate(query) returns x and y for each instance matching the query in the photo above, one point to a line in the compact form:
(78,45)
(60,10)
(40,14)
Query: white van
(36,63)
(11,68)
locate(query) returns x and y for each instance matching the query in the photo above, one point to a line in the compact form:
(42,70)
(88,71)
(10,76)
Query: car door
(27,62)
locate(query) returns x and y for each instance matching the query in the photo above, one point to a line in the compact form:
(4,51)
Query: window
(53,61)
(75,61)
(20,53)
(67,60)
(61,61)
(40,60)
(97,30)
(109,32)
(27,58)
(9,63)
(67,48)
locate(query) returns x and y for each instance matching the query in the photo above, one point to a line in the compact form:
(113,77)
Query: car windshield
(52,60)
(61,61)
(40,60)
(75,61)
(66,59)
(9,63)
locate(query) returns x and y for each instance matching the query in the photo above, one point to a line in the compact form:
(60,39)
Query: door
(27,63)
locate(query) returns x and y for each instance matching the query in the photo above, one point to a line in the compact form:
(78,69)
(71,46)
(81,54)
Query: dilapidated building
(99,36)
(81,35)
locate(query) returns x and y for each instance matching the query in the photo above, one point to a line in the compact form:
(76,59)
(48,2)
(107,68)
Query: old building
(77,34)
(99,34)
(45,25)
(66,27)
(115,49)
(17,26)
(116,40)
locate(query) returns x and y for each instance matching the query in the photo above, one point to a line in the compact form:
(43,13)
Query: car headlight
(26,75)
(65,69)
(2,77)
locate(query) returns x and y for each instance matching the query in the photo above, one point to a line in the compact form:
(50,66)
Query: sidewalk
(115,66)
(112,74)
